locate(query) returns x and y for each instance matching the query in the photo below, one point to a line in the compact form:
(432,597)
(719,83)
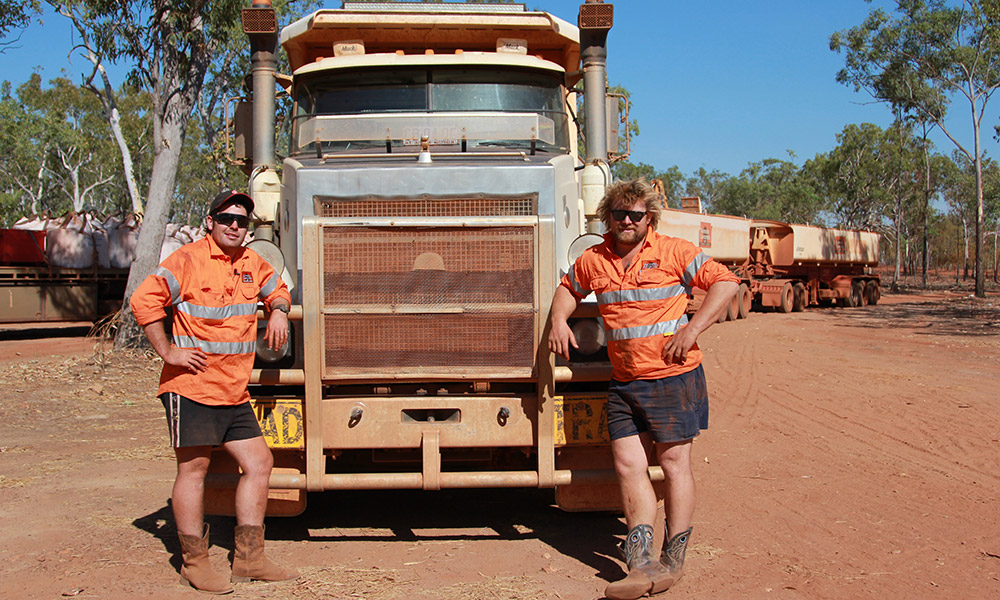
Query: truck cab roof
(418,32)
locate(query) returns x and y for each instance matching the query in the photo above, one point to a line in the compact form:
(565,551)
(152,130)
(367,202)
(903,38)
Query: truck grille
(415,302)
(470,206)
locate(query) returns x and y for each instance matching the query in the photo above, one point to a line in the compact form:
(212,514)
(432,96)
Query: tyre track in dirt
(861,479)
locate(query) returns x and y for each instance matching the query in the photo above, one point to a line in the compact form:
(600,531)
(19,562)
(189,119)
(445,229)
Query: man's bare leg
(189,489)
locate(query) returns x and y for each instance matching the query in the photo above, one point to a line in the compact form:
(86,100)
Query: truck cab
(428,201)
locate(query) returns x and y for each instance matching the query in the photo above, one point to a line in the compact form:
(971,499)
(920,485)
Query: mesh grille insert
(417,300)
(491,206)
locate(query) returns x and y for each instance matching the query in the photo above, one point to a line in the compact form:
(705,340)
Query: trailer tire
(733,311)
(745,298)
(858,292)
(800,297)
(787,302)
(873,292)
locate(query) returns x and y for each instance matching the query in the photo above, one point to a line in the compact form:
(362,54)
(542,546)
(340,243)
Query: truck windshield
(420,90)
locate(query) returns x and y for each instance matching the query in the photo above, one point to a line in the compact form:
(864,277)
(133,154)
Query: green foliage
(15,15)
(771,189)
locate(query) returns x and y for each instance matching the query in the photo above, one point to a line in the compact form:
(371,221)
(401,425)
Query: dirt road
(852,454)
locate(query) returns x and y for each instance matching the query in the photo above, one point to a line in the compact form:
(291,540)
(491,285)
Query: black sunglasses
(635,215)
(227,219)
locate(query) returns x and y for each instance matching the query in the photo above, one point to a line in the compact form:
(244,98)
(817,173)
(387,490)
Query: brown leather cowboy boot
(638,550)
(197,569)
(249,560)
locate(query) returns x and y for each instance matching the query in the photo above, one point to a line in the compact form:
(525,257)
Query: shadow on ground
(959,316)
(505,514)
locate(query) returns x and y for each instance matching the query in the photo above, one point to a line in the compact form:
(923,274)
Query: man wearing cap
(213,287)
(657,399)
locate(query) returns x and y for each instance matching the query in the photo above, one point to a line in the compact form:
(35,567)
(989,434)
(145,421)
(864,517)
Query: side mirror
(615,104)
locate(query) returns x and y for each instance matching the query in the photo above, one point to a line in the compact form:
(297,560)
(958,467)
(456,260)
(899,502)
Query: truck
(782,266)
(430,199)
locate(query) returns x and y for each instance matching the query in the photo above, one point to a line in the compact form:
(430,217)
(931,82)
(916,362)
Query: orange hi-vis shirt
(214,302)
(646,301)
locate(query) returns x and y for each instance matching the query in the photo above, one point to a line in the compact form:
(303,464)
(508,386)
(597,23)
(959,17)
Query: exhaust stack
(595,21)
(260,24)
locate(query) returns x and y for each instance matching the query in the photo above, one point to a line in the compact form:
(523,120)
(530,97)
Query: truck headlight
(589,335)
(264,353)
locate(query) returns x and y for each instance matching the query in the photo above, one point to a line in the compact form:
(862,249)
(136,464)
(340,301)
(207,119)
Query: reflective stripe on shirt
(172,285)
(641,331)
(692,269)
(642,294)
(183,341)
(576,286)
(218,312)
(268,288)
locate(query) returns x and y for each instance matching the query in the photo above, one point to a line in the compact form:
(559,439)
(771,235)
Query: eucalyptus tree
(771,189)
(707,185)
(53,161)
(931,52)
(14,17)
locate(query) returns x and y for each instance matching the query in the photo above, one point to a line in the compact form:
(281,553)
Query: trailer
(783,266)
(33,291)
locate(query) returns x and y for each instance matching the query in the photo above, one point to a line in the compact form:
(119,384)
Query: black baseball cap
(227,196)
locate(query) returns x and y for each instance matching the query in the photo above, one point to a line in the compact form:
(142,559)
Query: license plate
(581,420)
(281,422)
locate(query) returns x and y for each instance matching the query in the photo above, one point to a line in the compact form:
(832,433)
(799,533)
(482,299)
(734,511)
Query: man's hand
(561,338)
(560,335)
(192,359)
(678,344)
(276,334)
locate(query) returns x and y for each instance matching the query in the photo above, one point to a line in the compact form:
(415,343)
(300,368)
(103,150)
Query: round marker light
(589,336)
(266,354)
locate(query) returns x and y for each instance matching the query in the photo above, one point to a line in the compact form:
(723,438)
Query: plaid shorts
(672,409)
(194,424)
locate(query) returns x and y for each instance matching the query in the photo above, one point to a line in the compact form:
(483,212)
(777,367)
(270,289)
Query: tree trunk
(154,222)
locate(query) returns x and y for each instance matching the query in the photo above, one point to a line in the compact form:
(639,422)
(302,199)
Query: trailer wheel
(745,298)
(800,297)
(857,293)
(733,311)
(787,298)
(873,292)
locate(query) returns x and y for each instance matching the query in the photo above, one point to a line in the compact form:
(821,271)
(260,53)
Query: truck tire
(873,292)
(857,293)
(746,301)
(787,298)
(800,297)
(733,312)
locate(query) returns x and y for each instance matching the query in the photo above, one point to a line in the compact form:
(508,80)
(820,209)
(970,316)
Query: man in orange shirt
(657,396)
(213,287)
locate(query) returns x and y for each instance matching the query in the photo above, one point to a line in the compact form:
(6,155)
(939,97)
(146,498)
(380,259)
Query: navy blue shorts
(194,424)
(672,409)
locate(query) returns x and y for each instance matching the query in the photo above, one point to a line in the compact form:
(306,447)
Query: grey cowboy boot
(672,556)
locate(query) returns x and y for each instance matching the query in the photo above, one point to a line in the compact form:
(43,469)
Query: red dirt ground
(852,454)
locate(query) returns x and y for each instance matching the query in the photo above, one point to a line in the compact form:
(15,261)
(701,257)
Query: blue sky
(714,84)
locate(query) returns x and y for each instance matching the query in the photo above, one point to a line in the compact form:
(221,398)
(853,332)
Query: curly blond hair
(623,195)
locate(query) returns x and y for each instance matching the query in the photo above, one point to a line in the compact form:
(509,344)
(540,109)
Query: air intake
(259,20)
(596,16)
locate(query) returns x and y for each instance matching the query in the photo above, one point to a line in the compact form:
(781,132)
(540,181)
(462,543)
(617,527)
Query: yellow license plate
(581,420)
(281,421)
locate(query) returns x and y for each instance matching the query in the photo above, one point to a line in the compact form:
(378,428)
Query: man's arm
(560,335)
(192,359)
(720,294)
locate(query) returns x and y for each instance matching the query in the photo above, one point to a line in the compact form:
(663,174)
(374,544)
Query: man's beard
(627,237)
